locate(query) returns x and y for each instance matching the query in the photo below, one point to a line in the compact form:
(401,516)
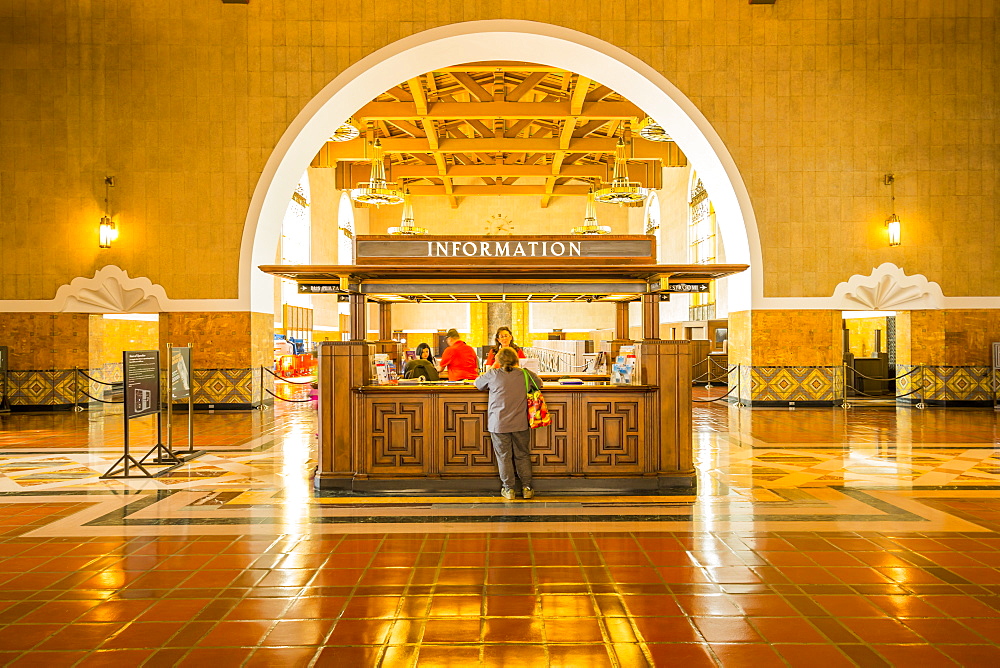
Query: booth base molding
(678,484)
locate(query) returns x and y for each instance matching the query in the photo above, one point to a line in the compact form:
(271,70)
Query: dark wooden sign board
(569,249)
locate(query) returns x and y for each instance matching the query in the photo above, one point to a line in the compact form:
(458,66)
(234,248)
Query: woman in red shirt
(504,339)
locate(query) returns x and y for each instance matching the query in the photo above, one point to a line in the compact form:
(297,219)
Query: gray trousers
(514,445)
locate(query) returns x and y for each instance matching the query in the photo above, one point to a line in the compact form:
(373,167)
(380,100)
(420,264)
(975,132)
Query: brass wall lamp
(108,230)
(892,223)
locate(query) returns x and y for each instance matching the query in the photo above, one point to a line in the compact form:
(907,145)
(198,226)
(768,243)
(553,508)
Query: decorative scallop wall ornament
(111,290)
(888,288)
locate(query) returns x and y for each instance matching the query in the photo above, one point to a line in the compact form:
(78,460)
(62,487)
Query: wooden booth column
(621,330)
(358,316)
(667,365)
(385,321)
(651,316)
(343,366)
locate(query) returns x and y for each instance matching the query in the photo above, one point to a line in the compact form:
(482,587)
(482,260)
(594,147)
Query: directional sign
(686,287)
(319,288)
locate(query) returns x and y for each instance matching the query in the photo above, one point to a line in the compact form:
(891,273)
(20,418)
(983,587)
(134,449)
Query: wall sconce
(892,224)
(108,229)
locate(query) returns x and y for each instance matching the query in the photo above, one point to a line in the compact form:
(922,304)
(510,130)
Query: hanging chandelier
(621,190)
(376,191)
(346,132)
(653,131)
(590,225)
(406,225)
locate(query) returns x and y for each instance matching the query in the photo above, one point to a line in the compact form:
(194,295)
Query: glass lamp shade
(892,227)
(653,131)
(376,191)
(346,132)
(108,232)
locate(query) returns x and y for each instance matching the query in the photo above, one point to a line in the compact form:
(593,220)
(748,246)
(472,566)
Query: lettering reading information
(504,249)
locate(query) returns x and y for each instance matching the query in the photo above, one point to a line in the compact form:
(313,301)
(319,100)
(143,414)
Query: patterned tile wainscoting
(944,385)
(781,385)
(230,388)
(42,388)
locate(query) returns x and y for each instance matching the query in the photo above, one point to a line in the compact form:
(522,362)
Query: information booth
(425,438)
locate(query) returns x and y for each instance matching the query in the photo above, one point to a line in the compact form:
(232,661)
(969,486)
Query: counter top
(546,387)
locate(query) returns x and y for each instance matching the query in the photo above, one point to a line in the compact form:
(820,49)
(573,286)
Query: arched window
(652,222)
(296,241)
(702,246)
(345,230)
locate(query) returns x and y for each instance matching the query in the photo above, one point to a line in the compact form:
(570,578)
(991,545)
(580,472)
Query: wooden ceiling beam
(409,128)
(480,127)
(473,86)
(532,191)
(509,110)
(400,94)
(536,148)
(599,93)
(418,95)
(526,86)
(515,129)
(637,171)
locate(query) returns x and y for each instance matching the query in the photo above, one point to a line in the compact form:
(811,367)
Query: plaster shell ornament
(111,290)
(888,288)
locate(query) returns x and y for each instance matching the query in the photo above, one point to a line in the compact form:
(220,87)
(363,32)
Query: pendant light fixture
(346,132)
(621,190)
(652,131)
(376,191)
(590,225)
(892,223)
(407,225)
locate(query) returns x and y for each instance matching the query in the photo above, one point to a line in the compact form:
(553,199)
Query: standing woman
(504,339)
(507,420)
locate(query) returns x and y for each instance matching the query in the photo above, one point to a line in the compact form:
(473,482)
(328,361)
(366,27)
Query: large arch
(475,41)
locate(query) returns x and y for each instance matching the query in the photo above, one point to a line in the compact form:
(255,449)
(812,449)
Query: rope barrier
(702,401)
(285,380)
(293,401)
(88,377)
(101,400)
(913,370)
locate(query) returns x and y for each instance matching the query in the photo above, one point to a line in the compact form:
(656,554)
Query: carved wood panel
(550,445)
(466,443)
(398,435)
(614,433)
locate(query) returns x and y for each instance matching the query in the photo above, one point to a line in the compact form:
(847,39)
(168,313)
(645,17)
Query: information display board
(142,382)
(180,373)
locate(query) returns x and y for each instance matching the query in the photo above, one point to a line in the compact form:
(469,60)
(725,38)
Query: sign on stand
(179,383)
(4,403)
(142,398)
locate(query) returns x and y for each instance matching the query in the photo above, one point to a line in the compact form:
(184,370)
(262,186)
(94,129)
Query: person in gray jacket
(507,420)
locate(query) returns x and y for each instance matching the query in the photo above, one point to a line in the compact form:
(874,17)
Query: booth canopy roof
(545,282)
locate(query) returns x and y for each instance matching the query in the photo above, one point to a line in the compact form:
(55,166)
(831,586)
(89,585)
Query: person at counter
(504,339)
(458,359)
(423,365)
(507,420)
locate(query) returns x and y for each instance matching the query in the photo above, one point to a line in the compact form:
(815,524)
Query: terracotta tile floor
(818,537)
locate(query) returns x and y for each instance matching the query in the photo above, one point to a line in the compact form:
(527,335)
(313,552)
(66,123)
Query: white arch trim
(499,40)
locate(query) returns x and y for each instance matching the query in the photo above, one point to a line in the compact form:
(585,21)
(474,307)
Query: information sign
(686,287)
(180,373)
(142,382)
(319,288)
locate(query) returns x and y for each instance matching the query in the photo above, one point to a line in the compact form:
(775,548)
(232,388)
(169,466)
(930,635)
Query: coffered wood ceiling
(488,129)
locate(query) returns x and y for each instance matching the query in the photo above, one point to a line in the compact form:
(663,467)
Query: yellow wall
(946,337)
(785,338)
(110,337)
(223,340)
(183,101)
(43,341)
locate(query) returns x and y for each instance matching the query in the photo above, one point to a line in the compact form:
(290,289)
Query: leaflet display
(142,382)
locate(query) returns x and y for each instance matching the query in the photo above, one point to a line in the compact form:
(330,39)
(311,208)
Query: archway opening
(499,41)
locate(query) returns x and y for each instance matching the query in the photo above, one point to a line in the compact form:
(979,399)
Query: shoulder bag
(538,413)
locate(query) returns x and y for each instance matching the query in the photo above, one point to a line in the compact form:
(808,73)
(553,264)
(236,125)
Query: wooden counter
(430,437)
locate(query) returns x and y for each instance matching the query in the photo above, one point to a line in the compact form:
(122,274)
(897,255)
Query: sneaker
(527,492)
(507,493)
